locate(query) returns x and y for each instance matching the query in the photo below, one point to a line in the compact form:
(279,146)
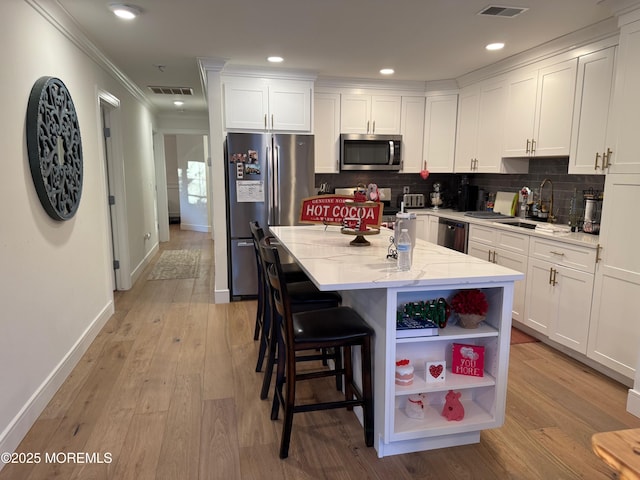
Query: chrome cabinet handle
(368,126)
(597,157)
(527,145)
(374,127)
(557,253)
(265,121)
(555,273)
(550,276)
(598,248)
(533,146)
(272,124)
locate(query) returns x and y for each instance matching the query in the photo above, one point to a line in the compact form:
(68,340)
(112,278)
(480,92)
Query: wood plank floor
(168,389)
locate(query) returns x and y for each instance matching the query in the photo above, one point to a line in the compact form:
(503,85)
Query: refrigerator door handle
(270,186)
(245,244)
(275,202)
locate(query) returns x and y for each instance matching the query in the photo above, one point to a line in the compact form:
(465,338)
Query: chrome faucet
(551,218)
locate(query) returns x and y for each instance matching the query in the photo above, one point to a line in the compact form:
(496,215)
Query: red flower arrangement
(471,301)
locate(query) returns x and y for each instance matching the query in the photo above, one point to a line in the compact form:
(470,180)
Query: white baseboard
(195,228)
(222,296)
(135,275)
(11,437)
(633,402)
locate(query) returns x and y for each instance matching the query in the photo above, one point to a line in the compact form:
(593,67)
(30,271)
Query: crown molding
(54,13)
(268,72)
(605,32)
(370,84)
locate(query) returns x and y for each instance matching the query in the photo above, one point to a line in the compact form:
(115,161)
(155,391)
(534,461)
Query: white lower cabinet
(559,288)
(504,248)
(427,228)
(557,303)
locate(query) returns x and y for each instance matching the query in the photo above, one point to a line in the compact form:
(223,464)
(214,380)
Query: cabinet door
(290,105)
(246,103)
(570,324)
(518,262)
(482,234)
(326,124)
(355,114)
(520,114)
(626,106)
(433,229)
(614,336)
(480,250)
(540,303)
(440,133)
(490,126)
(412,130)
(594,92)
(554,113)
(385,114)
(467,132)
(422,227)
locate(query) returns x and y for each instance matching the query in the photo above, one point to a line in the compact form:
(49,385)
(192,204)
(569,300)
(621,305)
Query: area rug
(518,336)
(176,264)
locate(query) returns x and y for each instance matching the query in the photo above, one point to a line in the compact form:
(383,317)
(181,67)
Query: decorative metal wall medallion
(54,147)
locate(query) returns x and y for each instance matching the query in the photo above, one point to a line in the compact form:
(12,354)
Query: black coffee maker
(467,197)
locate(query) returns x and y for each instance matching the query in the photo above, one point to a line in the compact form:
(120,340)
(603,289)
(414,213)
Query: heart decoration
(435,370)
(424,173)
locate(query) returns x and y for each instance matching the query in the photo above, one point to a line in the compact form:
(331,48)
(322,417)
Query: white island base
(483,398)
(370,283)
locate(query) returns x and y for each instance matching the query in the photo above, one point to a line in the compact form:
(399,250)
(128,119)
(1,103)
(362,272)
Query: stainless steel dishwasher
(453,234)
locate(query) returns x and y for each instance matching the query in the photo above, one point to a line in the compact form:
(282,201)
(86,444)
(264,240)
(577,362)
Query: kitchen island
(370,283)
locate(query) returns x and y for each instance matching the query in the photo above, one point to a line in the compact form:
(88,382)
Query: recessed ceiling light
(178,103)
(387,71)
(275,59)
(127,12)
(495,46)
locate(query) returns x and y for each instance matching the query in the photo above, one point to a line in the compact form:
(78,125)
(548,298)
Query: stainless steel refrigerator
(268,175)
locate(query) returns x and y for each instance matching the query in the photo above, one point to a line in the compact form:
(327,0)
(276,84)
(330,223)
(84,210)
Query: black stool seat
(339,324)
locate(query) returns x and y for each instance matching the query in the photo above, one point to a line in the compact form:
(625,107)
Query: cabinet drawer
(514,242)
(486,235)
(566,254)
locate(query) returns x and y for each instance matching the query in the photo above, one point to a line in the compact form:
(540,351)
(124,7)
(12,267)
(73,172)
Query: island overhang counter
(370,283)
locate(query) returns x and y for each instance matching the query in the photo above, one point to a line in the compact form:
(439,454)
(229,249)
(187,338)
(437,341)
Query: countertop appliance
(268,175)
(467,198)
(453,234)
(413,200)
(370,152)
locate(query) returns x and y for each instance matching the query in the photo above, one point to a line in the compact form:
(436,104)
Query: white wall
(55,279)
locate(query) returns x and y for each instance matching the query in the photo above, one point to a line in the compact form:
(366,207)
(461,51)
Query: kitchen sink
(520,224)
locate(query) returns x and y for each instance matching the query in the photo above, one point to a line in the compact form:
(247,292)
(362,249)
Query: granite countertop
(325,255)
(576,238)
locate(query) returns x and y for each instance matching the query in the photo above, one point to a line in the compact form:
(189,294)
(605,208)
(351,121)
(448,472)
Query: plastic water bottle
(404,250)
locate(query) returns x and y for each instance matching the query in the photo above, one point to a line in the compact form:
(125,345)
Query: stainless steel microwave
(370,152)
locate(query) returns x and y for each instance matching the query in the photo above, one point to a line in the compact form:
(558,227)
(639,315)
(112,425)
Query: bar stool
(338,328)
(293,273)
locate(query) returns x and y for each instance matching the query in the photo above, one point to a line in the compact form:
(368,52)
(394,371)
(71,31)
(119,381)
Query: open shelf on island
(451,382)
(434,424)
(455,332)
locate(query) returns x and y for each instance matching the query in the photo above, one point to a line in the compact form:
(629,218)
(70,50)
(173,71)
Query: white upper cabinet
(539,111)
(439,142)
(326,125)
(594,91)
(267,104)
(480,125)
(370,114)
(412,130)
(625,157)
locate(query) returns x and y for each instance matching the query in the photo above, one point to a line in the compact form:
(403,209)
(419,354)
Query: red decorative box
(468,360)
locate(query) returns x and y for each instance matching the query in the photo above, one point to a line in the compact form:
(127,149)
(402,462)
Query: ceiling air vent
(171,90)
(502,11)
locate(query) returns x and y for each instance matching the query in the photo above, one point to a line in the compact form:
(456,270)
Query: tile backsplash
(554,169)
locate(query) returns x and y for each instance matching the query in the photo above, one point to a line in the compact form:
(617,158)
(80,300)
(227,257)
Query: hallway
(168,391)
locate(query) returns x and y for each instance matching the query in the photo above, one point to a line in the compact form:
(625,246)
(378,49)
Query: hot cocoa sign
(341,210)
